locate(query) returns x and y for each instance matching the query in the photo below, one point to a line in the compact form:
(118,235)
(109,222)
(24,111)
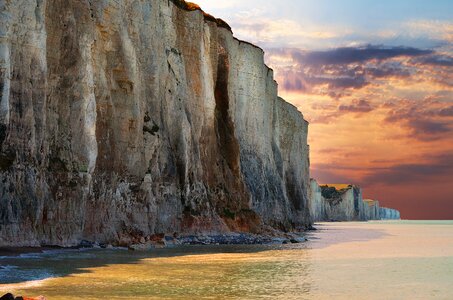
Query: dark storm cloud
(423,122)
(350,68)
(383,71)
(357,107)
(361,106)
(349,55)
(339,82)
(428,128)
(434,60)
(438,167)
(293,84)
(446,112)
(298,81)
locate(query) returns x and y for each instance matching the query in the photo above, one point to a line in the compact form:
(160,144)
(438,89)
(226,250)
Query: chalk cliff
(389,214)
(343,202)
(121,119)
(371,209)
(317,204)
(340,202)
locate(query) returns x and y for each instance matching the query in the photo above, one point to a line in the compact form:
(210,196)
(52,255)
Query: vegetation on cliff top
(189,6)
(370,202)
(331,192)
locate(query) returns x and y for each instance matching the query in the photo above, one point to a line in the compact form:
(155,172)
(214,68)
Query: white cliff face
(389,214)
(371,209)
(341,209)
(120,119)
(336,202)
(344,203)
(317,202)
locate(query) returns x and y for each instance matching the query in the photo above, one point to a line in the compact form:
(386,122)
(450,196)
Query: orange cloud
(389,126)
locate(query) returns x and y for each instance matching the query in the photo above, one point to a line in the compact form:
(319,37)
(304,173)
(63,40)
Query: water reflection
(342,261)
(187,272)
(328,234)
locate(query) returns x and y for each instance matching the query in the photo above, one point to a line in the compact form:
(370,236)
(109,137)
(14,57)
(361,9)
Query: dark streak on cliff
(117,129)
(228,143)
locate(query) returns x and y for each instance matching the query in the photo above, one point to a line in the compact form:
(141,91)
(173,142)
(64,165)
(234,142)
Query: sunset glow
(374,81)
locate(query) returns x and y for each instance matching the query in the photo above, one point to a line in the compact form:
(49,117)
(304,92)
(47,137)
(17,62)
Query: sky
(375,81)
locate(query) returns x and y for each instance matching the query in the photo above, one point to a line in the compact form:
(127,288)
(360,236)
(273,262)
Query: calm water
(375,260)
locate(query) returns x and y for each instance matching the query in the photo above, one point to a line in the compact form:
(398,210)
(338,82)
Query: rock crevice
(124,119)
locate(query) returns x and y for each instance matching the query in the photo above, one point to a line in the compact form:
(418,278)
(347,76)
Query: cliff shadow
(23,265)
(328,234)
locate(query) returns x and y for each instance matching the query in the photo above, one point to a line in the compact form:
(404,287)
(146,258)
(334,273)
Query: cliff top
(339,186)
(383,207)
(332,193)
(189,6)
(370,202)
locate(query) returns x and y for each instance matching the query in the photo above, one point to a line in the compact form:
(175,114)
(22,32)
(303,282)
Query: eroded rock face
(122,119)
(317,203)
(371,209)
(343,202)
(340,202)
(389,214)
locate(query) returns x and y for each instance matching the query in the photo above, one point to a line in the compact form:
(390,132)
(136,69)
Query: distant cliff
(371,209)
(389,214)
(335,203)
(121,119)
(342,202)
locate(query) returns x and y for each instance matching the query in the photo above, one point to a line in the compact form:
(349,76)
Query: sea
(351,260)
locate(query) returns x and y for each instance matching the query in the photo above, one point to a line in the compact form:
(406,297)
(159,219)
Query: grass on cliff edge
(338,186)
(370,202)
(333,192)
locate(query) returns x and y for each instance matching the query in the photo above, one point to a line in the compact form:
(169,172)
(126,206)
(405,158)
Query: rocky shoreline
(234,238)
(219,239)
(170,241)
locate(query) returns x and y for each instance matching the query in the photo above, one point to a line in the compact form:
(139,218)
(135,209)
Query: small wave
(7,268)
(60,254)
(23,285)
(10,274)
(29,255)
